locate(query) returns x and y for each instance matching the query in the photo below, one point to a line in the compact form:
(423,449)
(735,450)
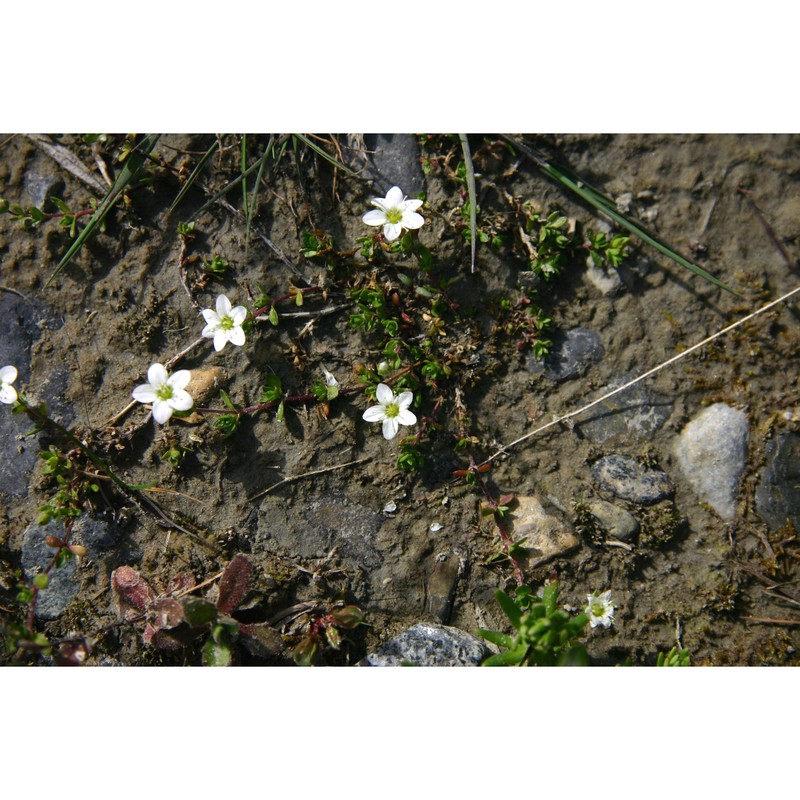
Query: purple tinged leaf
(131,594)
(234,583)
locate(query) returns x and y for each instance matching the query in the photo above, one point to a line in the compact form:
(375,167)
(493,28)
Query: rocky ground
(302,534)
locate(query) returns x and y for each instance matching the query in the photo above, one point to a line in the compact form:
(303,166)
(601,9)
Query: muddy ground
(347,526)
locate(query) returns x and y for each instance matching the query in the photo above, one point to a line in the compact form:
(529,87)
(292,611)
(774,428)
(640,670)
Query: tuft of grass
(608,207)
(134,162)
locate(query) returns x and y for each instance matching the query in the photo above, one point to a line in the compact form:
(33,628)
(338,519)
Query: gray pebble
(711,452)
(777,495)
(571,355)
(625,477)
(395,162)
(616,522)
(428,645)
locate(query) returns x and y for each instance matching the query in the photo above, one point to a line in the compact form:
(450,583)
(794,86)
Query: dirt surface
(343,524)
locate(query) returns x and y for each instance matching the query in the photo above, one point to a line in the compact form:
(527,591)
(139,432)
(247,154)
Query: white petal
(404,400)
(181,400)
(411,205)
(210,316)
(157,375)
(374,414)
(238,315)
(180,379)
(412,220)
(392,231)
(162,411)
(383,394)
(236,336)
(209,330)
(390,428)
(406,417)
(8,394)
(394,197)
(8,374)
(220,337)
(374,217)
(144,393)
(223,306)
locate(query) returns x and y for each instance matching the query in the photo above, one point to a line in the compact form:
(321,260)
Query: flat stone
(394,162)
(636,413)
(625,477)
(711,452)
(429,645)
(615,521)
(97,534)
(546,536)
(442,583)
(777,494)
(571,355)
(606,281)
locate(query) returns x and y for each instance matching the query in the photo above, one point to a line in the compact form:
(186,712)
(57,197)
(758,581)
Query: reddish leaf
(234,583)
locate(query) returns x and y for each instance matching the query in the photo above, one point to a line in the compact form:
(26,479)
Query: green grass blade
(244,176)
(609,207)
(473,197)
(135,161)
(250,209)
(317,149)
(195,174)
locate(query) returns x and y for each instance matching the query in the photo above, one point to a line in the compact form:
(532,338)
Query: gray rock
(571,355)
(637,413)
(777,495)
(394,162)
(615,522)
(546,537)
(625,477)
(37,188)
(97,534)
(428,645)
(711,452)
(64,582)
(606,281)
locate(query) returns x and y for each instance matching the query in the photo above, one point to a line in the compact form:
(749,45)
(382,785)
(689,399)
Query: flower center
(164,392)
(394,215)
(391,410)
(226,323)
(598,609)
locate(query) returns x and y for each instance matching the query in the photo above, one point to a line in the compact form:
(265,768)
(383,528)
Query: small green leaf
(500,639)
(509,606)
(273,316)
(41,580)
(198,612)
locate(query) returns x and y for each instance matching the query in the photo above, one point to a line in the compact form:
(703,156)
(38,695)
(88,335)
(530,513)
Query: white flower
(395,213)
(166,392)
(600,609)
(8,394)
(392,411)
(224,324)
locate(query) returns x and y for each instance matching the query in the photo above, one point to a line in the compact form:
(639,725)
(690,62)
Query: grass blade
(473,197)
(195,174)
(319,151)
(609,207)
(250,209)
(133,164)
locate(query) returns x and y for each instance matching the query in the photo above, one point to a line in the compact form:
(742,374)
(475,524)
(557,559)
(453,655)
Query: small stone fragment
(546,536)
(777,495)
(625,477)
(711,452)
(428,645)
(442,585)
(616,522)
(571,355)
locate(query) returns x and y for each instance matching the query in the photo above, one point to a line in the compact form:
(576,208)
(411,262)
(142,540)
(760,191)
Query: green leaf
(507,659)
(317,149)
(217,654)
(131,168)
(198,612)
(41,580)
(509,606)
(495,637)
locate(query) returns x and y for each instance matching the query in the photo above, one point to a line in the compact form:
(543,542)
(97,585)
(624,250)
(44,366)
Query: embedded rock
(628,479)
(394,161)
(546,536)
(615,522)
(635,413)
(711,452)
(428,645)
(571,355)
(777,495)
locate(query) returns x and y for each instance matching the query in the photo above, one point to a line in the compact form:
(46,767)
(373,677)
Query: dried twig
(292,478)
